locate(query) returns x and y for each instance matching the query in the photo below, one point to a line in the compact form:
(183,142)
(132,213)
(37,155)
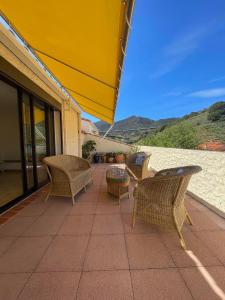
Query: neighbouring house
(87,126)
(212,146)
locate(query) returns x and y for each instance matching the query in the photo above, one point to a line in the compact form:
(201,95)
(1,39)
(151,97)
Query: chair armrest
(83,163)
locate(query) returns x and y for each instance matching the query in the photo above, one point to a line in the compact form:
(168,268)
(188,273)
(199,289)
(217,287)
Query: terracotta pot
(119,158)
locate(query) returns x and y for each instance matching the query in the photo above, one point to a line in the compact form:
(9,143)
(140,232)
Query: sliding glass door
(27,140)
(11,173)
(30,129)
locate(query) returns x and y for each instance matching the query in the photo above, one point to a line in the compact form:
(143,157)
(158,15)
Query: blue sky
(175,60)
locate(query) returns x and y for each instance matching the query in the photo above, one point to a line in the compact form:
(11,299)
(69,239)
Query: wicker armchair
(68,175)
(160,199)
(139,170)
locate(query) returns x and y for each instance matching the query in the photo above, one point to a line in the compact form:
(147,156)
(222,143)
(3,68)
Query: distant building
(212,146)
(87,126)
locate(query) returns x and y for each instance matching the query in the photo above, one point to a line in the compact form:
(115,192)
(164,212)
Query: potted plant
(87,149)
(110,157)
(119,157)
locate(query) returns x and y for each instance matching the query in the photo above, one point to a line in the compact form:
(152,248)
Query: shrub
(88,148)
(183,135)
(217,111)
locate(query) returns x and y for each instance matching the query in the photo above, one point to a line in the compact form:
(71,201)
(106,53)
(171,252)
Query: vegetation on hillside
(183,135)
(217,112)
(191,130)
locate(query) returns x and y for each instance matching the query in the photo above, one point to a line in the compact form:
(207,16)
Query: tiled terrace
(89,251)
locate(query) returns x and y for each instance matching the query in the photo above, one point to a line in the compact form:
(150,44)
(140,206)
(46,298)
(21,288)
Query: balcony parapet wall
(207,186)
(106,144)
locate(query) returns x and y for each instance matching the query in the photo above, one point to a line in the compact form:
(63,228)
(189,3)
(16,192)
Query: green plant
(183,135)
(88,148)
(217,111)
(119,153)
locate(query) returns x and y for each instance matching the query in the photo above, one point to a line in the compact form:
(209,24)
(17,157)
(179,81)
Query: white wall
(106,144)
(209,184)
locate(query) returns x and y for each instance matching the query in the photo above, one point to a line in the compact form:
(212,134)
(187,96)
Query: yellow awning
(81,42)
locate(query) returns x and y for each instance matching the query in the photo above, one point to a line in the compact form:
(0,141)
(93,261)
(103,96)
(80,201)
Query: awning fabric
(80,42)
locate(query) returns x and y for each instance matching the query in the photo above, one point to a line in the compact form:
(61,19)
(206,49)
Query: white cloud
(180,49)
(216,79)
(209,93)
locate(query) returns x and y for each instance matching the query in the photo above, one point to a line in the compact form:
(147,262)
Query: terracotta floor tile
(126,206)
(215,240)
(3,220)
(106,252)
(190,206)
(24,254)
(105,197)
(140,226)
(159,285)
(93,188)
(16,226)
(45,225)
(58,207)
(195,255)
(147,251)
(205,283)
(87,197)
(202,222)
(77,225)
(83,208)
(5,242)
(110,207)
(105,285)
(11,285)
(107,224)
(66,253)
(43,286)
(33,209)
(216,218)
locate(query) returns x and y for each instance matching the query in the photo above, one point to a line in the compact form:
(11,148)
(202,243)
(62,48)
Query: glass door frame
(47,109)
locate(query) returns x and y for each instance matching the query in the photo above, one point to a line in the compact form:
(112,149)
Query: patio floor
(89,251)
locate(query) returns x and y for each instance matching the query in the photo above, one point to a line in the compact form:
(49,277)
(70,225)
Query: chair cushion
(172,172)
(139,158)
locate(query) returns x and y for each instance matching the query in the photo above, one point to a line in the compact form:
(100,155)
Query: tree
(217,111)
(183,135)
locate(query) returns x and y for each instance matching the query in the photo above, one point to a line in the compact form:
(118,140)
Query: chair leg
(189,219)
(134,214)
(73,201)
(182,242)
(85,189)
(48,194)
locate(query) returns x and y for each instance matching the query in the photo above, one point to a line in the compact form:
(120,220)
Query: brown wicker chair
(160,199)
(140,171)
(68,175)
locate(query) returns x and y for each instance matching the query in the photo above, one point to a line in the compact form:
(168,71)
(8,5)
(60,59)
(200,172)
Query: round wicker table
(118,182)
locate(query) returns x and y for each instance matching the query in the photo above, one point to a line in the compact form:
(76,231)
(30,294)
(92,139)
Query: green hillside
(191,130)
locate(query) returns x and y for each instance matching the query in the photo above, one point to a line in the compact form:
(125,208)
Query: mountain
(133,128)
(191,131)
